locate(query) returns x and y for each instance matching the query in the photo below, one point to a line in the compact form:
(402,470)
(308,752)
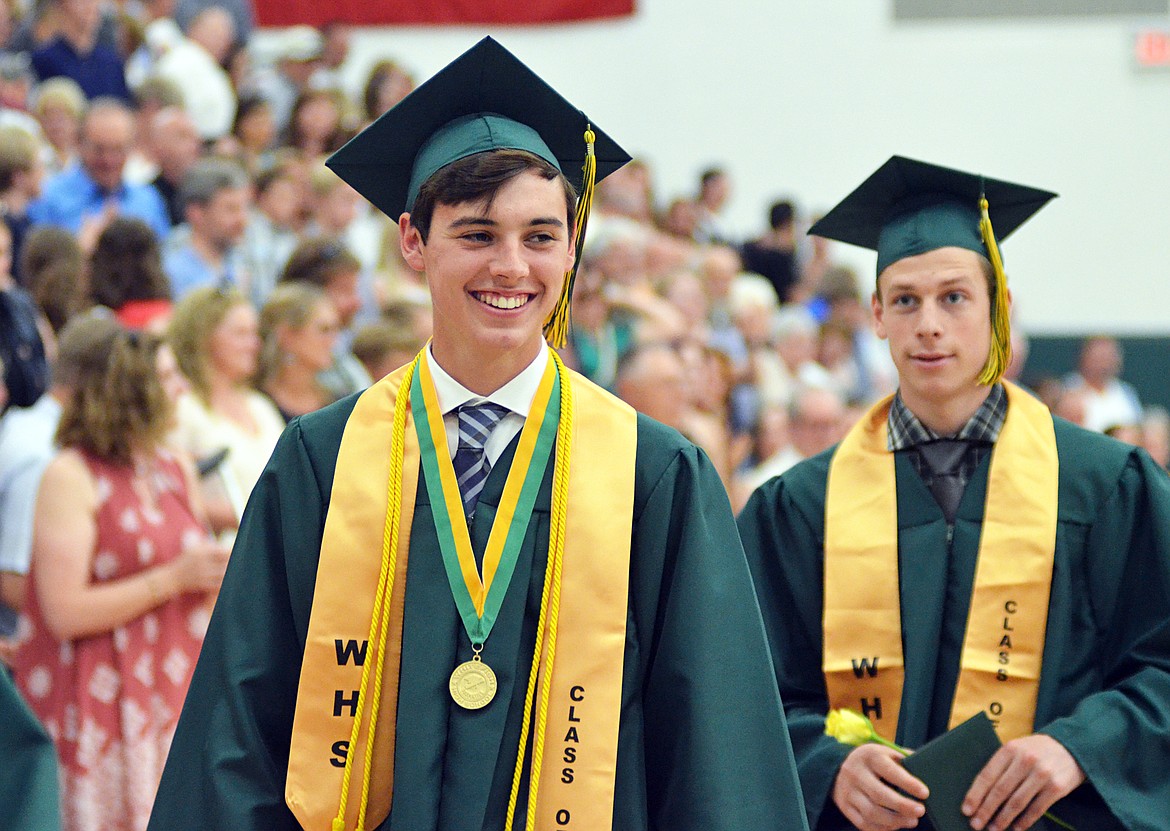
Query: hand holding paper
(1022,780)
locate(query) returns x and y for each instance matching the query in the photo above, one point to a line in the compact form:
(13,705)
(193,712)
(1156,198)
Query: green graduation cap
(485,99)
(908,207)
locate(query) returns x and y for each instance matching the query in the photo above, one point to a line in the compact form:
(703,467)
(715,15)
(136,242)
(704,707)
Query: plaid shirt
(981,431)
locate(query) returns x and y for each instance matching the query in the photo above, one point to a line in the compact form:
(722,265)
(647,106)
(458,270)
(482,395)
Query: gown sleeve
(28,777)
(228,761)
(1120,736)
(783,542)
(718,753)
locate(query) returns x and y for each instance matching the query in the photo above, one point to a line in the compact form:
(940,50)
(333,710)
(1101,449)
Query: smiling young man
(484,594)
(962,551)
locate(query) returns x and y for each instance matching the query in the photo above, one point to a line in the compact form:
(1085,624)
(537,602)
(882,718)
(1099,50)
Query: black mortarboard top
(908,207)
(485,99)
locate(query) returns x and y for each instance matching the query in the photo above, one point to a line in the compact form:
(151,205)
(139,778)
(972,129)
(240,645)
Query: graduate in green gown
(577,645)
(1087,520)
(28,778)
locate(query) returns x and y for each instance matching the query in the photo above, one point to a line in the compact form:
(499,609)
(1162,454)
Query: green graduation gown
(29,796)
(702,740)
(1105,684)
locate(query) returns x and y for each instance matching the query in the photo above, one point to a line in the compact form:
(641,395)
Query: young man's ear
(875,303)
(411,243)
(572,253)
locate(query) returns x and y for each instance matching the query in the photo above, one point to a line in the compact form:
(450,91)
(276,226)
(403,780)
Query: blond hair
(195,319)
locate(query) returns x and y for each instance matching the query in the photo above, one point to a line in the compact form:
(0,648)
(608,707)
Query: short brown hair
(126,264)
(118,403)
(318,261)
(478,178)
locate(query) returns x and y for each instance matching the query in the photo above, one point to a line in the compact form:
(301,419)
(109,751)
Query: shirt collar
(516,395)
(905,430)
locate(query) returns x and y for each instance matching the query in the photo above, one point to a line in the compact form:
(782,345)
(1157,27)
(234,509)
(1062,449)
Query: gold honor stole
(586,682)
(1004,642)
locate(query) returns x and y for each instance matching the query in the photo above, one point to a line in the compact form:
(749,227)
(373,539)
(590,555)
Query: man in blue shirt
(85,197)
(216,195)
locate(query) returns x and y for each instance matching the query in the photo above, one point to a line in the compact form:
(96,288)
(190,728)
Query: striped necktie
(476,422)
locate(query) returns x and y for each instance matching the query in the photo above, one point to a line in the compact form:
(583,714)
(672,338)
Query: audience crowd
(180,275)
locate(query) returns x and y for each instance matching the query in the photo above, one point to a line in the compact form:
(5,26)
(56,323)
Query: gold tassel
(556,328)
(1001,327)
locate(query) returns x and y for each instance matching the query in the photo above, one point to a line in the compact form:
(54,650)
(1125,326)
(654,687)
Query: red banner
(436,12)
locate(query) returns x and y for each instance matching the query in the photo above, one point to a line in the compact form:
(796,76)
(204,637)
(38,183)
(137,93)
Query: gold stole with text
(585,700)
(1004,642)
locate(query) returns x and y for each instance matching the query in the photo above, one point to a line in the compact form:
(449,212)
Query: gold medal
(473,684)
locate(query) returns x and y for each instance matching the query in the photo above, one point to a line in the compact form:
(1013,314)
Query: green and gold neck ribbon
(479,600)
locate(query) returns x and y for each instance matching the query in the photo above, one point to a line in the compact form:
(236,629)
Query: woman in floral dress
(120,572)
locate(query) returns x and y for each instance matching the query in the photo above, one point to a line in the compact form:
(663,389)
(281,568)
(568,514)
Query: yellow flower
(849,727)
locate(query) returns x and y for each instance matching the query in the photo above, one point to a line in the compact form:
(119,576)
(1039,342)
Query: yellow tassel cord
(556,328)
(380,619)
(1001,326)
(550,606)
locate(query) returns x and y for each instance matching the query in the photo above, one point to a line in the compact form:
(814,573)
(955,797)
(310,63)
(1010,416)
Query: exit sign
(1151,49)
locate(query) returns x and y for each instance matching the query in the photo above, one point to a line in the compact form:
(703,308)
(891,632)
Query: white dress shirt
(515,396)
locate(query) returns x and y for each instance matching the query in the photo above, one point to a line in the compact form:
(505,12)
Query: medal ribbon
(479,600)
(1007,621)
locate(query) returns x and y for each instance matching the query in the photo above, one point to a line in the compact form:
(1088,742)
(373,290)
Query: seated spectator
(150,98)
(335,42)
(16,83)
(298,331)
(121,570)
(298,49)
(22,170)
(194,64)
(795,337)
(27,444)
(1156,435)
(875,372)
(255,132)
(174,145)
(651,378)
(1109,401)
(59,106)
(54,268)
(315,126)
(215,335)
(216,196)
(271,234)
(86,196)
(22,336)
(75,52)
(714,193)
(384,346)
(330,266)
(816,421)
(126,275)
(774,254)
(386,85)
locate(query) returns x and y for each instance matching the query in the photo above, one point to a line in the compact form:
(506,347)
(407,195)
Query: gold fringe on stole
(862,604)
